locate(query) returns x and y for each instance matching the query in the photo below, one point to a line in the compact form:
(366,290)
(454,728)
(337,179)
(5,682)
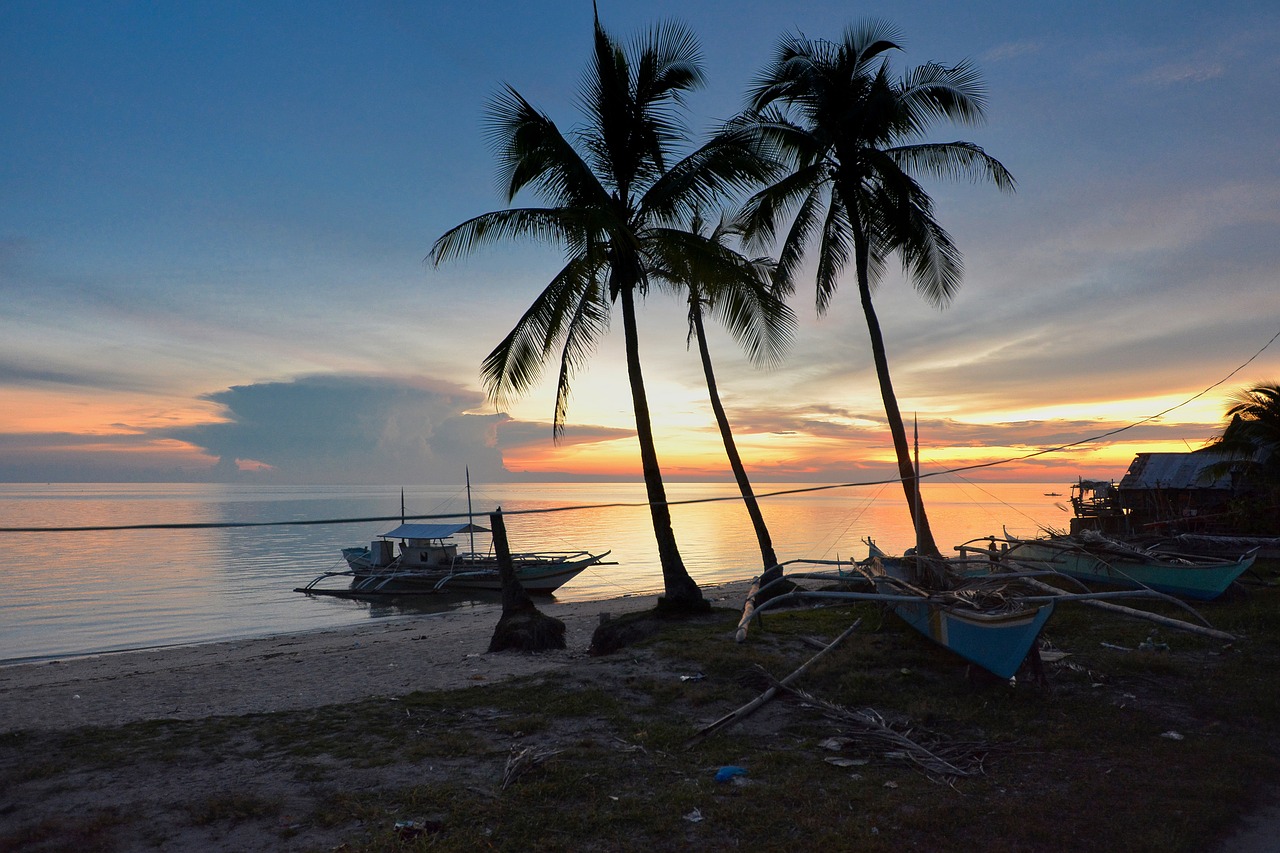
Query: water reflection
(77,593)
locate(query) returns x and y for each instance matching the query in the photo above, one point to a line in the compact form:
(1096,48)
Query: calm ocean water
(84,593)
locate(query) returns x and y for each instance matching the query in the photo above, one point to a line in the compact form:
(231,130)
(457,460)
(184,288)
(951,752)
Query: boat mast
(470,524)
(915,509)
(402,505)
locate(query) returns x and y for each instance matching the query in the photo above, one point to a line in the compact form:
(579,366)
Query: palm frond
(931,259)
(588,324)
(869,39)
(726,166)
(957,160)
(542,224)
(531,150)
(515,364)
(938,92)
(833,250)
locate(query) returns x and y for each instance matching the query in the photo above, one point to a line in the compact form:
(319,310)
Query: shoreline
(291,671)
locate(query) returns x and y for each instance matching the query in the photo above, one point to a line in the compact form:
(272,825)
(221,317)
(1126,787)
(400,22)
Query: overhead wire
(633,504)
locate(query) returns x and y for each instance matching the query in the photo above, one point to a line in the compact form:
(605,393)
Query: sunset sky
(214,218)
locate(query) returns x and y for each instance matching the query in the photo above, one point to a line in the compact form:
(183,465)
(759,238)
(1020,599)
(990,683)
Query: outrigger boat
(1090,556)
(989,622)
(990,625)
(427,562)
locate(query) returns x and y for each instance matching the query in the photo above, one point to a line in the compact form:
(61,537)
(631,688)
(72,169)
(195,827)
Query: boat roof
(432,531)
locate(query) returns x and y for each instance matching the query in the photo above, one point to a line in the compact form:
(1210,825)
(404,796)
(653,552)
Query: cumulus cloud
(343,428)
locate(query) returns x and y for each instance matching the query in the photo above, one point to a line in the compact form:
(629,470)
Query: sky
(215,217)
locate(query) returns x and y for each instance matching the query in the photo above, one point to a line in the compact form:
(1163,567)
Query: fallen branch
(521,761)
(1167,621)
(755,704)
(749,606)
(935,759)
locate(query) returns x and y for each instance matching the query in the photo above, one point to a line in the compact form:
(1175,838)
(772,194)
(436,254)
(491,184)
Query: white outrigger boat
(427,562)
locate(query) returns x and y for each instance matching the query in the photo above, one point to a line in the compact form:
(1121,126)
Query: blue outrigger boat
(987,621)
(981,623)
(1103,560)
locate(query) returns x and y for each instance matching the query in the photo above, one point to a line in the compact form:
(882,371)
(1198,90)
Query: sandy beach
(389,657)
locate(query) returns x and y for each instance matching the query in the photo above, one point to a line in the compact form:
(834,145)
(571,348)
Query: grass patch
(233,807)
(1161,749)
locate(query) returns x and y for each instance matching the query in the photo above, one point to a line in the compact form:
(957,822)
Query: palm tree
(1250,441)
(1253,423)
(718,279)
(1248,452)
(851,136)
(610,197)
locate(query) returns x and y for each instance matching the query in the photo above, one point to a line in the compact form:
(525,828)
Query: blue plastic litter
(724,774)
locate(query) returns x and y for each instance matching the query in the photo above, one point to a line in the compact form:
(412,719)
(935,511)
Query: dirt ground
(299,672)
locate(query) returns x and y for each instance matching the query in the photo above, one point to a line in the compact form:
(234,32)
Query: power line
(635,504)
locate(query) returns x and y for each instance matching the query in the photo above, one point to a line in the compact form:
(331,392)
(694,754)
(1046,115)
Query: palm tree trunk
(522,625)
(514,596)
(771,568)
(906,470)
(682,592)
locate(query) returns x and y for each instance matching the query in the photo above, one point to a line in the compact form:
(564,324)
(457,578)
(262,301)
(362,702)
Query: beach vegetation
(1250,441)
(614,186)
(233,807)
(1163,748)
(716,279)
(852,137)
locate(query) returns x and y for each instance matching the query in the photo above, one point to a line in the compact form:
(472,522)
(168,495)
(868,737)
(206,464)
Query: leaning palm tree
(612,187)
(852,138)
(737,290)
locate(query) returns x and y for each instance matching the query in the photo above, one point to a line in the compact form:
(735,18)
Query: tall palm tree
(852,138)
(717,279)
(612,189)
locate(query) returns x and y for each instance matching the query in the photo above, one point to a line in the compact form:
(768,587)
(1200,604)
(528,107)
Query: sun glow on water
(79,593)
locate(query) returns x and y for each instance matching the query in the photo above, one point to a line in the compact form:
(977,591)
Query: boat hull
(536,577)
(997,642)
(1202,579)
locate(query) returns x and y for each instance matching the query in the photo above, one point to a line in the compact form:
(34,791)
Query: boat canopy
(432,531)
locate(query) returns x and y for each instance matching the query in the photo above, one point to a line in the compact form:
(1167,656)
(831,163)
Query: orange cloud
(88,412)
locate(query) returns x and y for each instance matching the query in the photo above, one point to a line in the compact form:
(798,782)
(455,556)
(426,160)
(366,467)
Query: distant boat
(1053,494)
(428,562)
(1093,557)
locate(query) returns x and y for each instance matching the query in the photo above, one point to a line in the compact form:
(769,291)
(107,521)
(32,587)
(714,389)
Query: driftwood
(755,704)
(522,761)
(930,753)
(747,608)
(1167,621)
